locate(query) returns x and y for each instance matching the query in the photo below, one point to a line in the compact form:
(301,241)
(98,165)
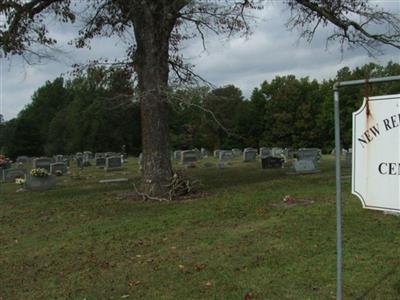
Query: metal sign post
(339,248)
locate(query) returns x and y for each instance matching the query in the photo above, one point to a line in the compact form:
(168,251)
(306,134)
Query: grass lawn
(83,240)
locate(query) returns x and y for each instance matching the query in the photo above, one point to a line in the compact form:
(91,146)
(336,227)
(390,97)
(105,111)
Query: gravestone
(265,152)
(198,153)
(216,153)
(113,163)
(309,154)
(59,158)
(270,162)
(276,152)
(307,161)
(177,155)
(249,154)
(99,154)
(237,152)
(58,167)
(204,152)
(111,154)
(100,162)
(87,155)
(305,166)
(141,161)
(34,183)
(42,163)
(289,153)
(23,159)
(225,155)
(189,157)
(116,180)
(9,175)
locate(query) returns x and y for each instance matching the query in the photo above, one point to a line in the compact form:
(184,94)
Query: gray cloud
(270,51)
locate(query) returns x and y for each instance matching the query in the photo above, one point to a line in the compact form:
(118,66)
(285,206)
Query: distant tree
(1,119)
(158,27)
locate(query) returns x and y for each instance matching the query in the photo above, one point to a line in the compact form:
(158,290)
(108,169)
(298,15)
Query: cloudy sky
(270,51)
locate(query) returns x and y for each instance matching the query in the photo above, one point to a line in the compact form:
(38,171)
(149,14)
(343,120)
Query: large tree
(158,26)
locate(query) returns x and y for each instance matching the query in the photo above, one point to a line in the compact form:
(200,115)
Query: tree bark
(152,32)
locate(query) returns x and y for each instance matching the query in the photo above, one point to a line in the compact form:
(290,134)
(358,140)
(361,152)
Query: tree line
(99,111)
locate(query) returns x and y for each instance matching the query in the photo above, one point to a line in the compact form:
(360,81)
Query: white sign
(376,153)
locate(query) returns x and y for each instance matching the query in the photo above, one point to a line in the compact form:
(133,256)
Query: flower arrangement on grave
(20,181)
(39,172)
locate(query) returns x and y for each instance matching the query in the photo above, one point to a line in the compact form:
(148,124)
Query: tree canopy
(284,112)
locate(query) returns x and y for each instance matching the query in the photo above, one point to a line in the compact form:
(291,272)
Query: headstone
(225,155)
(58,167)
(113,163)
(100,162)
(23,159)
(9,175)
(307,161)
(265,152)
(141,161)
(270,162)
(198,153)
(99,154)
(42,163)
(59,158)
(313,154)
(177,155)
(237,152)
(289,153)
(276,152)
(305,166)
(116,180)
(249,154)
(79,161)
(204,152)
(87,156)
(216,153)
(111,154)
(34,183)
(189,157)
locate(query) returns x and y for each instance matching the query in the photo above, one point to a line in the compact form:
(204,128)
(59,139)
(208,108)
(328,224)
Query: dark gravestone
(100,162)
(79,162)
(272,162)
(113,163)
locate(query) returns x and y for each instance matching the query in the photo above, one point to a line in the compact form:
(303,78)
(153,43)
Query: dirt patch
(289,201)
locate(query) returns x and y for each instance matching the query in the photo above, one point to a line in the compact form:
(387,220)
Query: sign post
(356,184)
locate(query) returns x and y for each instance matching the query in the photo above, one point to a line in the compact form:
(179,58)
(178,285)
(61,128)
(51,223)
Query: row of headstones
(249,154)
(59,164)
(307,159)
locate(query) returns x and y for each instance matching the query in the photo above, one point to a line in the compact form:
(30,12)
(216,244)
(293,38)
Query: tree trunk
(152,32)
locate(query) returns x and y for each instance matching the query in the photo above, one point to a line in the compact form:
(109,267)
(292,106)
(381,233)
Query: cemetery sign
(376,153)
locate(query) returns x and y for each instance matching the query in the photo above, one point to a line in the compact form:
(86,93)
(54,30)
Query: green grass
(83,240)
